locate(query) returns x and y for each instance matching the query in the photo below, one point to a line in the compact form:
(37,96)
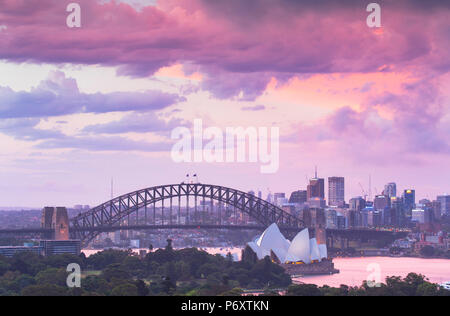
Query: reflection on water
(353,271)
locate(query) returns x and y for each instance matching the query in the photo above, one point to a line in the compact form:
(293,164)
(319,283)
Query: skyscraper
(316,188)
(381,202)
(357,203)
(336,191)
(398,218)
(445,204)
(279,198)
(298,197)
(390,189)
(409,201)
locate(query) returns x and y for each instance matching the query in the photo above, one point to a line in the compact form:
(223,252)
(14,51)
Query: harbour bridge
(161,207)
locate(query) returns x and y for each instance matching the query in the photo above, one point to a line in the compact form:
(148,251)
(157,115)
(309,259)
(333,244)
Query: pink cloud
(257,40)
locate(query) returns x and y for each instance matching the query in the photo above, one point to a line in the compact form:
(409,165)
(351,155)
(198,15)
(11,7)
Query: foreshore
(319,268)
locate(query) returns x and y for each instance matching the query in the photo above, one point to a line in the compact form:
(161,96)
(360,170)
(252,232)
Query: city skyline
(360,102)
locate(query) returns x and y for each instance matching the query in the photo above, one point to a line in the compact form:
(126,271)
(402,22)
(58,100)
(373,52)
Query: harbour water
(353,271)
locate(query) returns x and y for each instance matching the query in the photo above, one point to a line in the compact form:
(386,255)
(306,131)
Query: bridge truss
(142,205)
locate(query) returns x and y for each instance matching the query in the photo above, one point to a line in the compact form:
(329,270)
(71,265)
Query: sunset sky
(80,106)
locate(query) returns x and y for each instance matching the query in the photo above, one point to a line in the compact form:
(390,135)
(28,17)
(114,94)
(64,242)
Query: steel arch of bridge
(110,213)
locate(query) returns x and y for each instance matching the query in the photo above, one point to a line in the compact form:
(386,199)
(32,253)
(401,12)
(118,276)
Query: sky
(79,106)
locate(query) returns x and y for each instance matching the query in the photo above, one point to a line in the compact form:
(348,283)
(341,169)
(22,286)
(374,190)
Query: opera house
(301,250)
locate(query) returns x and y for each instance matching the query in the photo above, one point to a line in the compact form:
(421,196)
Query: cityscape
(224,155)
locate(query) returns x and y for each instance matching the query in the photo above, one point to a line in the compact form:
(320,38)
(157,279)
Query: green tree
(126,289)
(115,271)
(303,290)
(44,290)
(52,276)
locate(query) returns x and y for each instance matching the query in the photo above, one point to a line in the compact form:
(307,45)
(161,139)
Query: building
(418,216)
(58,247)
(279,199)
(398,218)
(341,221)
(409,201)
(444,200)
(436,209)
(298,197)
(336,191)
(390,189)
(381,202)
(10,251)
(331,218)
(316,188)
(301,250)
(317,202)
(357,203)
(45,248)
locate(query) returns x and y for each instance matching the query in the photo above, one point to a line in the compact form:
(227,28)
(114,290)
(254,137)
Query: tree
(142,289)
(249,256)
(52,276)
(125,289)
(44,290)
(115,271)
(303,290)
(169,245)
(233,292)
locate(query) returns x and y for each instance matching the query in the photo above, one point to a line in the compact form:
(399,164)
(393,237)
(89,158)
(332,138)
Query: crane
(363,191)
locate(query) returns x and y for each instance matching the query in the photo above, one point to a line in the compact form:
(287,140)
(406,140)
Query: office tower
(298,197)
(381,202)
(398,218)
(341,221)
(436,209)
(331,218)
(445,204)
(409,201)
(269,197)
(336,191)
(390,189)
(418,216)
(279,198)
(357,204)
(316,188)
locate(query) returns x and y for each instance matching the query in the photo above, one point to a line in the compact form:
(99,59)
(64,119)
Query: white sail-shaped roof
(323,251)
(257,249)
(299,249)
(314,247)
(273,239)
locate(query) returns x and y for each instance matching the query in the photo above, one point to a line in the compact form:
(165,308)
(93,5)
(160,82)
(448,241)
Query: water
(353,271)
